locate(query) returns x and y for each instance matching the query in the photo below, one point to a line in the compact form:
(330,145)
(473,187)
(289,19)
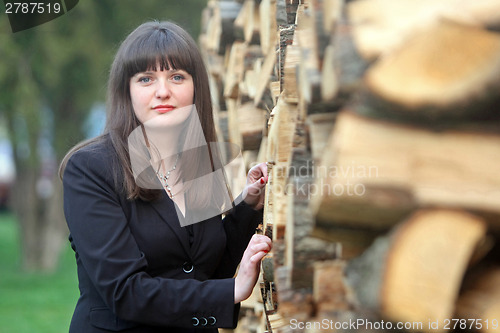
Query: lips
(163,108)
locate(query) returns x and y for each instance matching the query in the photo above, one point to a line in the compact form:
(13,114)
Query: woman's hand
(249,269)
(253,193)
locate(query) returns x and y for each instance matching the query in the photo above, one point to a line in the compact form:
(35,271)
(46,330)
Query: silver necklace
(164,177)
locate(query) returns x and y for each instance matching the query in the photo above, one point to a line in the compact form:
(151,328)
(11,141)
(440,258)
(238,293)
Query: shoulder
(95,158)
(98,149)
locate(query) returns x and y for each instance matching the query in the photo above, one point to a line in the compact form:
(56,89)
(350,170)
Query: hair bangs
(162,49)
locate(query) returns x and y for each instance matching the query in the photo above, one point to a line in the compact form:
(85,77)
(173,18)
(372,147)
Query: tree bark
(41,221)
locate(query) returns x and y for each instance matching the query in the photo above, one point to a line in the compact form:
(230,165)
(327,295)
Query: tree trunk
(42,227)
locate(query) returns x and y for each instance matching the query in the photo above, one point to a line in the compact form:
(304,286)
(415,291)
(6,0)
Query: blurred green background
(33,302)
(52,95)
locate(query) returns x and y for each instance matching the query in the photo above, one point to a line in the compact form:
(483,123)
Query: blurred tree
(51,76)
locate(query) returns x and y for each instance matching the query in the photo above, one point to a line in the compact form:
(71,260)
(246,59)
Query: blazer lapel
(166,209)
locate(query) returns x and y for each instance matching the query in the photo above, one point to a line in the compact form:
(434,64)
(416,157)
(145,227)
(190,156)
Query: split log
(428,79)
(292,302)
(268,157)
(246,123)
(216,71)
(350,242)
(252,54)
(319,128)
(291,10)
(211,32)
(330,292)
(325,14)
(267,73)
(220,32)
(281,16)
(247,85)
(277,323)
(280,144)
(301,249)
(247,23)
(268,219)
(332,12)
(343,67)
(275,91)
(261,157)
(268,25)
(414,274)
(329,82)
(235,69)
(267,286)
(250,158)
(383,25)
(374,173)
(292,59)
(206,15)
(286,33)
(483,13)
(252,62)
(233,130)
(239,22)
(479,304)
(280,218)
(427,263)
(222,126)
(308,72)
(281,132)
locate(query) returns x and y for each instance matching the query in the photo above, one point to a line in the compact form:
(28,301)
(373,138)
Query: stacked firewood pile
(380,123)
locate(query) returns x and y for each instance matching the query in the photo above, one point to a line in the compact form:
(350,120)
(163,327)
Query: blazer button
(212,320)
(195,321)
(187,267)
(204,321)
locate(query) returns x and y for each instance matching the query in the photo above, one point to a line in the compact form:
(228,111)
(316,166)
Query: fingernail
(266,251)
(262,180)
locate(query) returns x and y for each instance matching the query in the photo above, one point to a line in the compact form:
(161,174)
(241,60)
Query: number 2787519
(32,8)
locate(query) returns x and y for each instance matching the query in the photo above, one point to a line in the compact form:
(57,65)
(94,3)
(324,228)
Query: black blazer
(138,269)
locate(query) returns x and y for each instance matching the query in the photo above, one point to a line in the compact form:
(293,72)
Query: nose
(162,90)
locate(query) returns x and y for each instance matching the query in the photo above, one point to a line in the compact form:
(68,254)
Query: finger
(257,186)
(258,171)
(261,239)
(264,170)
(257,257)
(260,247)
(264,242)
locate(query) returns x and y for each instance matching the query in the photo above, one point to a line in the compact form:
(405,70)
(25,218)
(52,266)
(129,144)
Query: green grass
(34,302)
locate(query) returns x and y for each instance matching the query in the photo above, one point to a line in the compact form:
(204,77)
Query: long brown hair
(149,45)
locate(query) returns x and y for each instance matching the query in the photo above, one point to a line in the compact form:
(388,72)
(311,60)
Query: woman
(139,270)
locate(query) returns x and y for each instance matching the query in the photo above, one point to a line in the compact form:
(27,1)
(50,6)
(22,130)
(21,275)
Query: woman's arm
(249,269)
(244,247)
(253,193)
(241,222)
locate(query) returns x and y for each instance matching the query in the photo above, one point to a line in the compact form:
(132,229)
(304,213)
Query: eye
(145,79)
(178,77)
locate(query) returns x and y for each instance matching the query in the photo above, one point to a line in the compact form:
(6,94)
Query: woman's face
(159,93)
